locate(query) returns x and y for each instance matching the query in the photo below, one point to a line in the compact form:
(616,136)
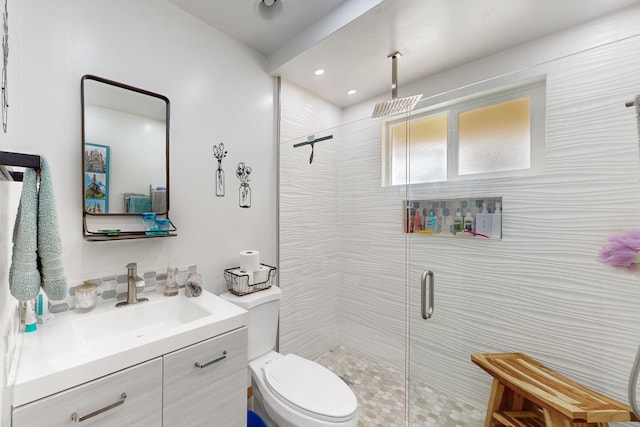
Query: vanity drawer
(206,384)
(141,407)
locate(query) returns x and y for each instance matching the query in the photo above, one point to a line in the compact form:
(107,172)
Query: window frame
(468,99)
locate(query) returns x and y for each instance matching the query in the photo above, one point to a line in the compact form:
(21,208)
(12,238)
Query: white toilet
(288,390)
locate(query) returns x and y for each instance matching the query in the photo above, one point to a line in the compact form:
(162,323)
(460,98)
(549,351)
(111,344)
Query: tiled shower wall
(540,290)
(309,239)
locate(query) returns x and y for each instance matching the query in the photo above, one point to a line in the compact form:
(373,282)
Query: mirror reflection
(125,149)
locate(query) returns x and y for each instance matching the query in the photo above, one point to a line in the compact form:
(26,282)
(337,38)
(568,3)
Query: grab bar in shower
(426,313)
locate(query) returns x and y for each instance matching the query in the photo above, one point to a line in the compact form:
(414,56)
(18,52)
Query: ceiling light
(352,92)
(269,9)
(319,72)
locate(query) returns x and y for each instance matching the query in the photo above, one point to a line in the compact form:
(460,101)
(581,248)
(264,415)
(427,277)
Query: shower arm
(394,73)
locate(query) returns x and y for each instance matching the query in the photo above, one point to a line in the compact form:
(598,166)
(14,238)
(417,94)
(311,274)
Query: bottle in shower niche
(468,221)
(433,222)
(416,222)
(496,222)
(483,221)
(446,222)
(458,222)
(424,220)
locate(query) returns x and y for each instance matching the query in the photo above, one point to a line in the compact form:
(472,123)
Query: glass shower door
(437,279)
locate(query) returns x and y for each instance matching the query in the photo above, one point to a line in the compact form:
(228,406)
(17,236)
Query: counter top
(63,354)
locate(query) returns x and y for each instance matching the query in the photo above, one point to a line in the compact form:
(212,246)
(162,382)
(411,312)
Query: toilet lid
(310,388)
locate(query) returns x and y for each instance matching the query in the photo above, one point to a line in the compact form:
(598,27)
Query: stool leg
(495,400)
(554,419)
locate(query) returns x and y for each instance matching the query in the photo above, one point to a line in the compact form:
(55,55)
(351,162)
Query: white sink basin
(78,347)
(138,320)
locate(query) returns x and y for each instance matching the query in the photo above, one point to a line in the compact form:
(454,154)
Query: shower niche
(475,218)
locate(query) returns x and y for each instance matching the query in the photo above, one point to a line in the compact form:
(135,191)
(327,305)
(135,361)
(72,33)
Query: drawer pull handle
(77,419)
(211,362)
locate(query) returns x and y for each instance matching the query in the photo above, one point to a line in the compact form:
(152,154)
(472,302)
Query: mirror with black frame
(125,158)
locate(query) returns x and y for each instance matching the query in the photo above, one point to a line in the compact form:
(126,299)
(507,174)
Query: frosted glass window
(427,150)
(495,138)
(496,132)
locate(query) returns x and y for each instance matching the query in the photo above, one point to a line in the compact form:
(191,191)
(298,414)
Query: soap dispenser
(171,285)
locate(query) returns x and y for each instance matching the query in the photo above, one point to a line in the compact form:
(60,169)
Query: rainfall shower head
(395,105)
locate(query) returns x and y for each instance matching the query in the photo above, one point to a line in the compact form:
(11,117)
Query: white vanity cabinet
(203,384)
(206,384)
(131,397)
(168,362)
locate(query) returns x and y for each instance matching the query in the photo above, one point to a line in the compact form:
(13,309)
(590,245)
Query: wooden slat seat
(526,393)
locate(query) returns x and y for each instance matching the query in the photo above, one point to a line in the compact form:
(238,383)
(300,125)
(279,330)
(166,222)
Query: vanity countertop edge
(54,358)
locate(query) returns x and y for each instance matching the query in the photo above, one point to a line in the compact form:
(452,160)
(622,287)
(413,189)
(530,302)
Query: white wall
(219,92)
(9,194)
(540,290)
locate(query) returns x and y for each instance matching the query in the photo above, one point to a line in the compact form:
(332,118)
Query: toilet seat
(310,388)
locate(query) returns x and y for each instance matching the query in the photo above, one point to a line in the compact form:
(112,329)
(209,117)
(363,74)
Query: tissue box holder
(239,285)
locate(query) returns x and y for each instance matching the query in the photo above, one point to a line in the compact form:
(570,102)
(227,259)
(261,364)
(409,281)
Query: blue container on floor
(254,420)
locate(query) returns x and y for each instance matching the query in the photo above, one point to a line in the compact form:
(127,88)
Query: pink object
(473,233)
(622,250)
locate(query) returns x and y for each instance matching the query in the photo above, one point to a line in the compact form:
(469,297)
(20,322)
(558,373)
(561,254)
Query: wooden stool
(526,393)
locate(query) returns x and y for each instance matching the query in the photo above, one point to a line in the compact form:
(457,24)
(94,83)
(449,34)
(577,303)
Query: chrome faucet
(133,280)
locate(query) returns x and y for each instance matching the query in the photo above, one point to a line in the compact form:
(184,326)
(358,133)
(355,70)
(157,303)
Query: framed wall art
(96,178)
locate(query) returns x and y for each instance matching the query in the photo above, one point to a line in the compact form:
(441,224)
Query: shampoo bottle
(468,221)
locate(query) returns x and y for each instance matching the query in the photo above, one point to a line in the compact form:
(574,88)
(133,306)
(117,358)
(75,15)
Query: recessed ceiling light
(319,72)
(352,92)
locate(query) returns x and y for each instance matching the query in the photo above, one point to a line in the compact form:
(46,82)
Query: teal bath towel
(24,276)
(54,282)
(139,204)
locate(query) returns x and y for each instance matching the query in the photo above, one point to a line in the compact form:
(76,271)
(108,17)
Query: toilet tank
(263,307)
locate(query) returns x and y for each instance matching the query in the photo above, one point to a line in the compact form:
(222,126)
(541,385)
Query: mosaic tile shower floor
(380,393)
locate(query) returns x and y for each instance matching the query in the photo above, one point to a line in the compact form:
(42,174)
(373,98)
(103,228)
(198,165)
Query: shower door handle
(426,313)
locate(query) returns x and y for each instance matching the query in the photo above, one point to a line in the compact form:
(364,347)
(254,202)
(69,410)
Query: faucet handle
(132,266)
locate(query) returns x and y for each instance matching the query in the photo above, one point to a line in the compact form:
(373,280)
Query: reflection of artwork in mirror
(96,178)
